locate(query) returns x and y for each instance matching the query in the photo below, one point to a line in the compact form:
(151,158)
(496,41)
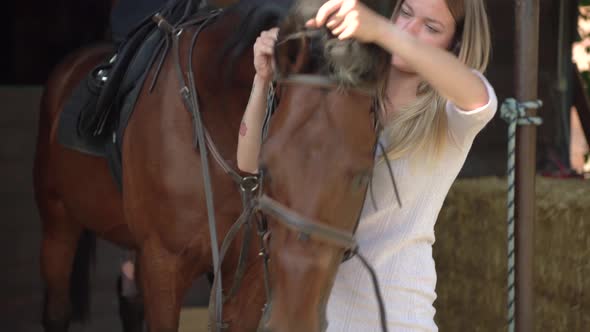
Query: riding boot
(131,309)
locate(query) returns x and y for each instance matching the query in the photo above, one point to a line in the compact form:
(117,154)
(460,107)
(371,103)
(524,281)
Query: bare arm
(449,76)
(249,140)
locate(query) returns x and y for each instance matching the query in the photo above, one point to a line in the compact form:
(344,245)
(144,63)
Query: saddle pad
(88,95)
(83,99)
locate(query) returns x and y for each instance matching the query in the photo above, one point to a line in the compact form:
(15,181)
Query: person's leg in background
(131,311)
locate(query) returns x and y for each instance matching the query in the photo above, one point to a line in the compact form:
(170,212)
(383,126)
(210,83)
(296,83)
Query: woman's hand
(349,19)
(263,53)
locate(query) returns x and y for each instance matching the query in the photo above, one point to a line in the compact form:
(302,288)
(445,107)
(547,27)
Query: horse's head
(316,163)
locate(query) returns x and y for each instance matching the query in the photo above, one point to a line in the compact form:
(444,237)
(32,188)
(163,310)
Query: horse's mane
(255,16)
(351,62)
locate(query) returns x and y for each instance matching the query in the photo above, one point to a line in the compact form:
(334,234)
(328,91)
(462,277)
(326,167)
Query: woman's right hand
(263,53)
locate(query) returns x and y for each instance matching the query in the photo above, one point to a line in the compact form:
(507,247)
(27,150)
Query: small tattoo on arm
(243,129)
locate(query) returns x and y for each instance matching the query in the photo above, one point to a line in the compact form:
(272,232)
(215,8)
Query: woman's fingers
(351,20)
(264,45)
(267,50)
(270,42)
(340,16)
(334,21)
(338,29)
(349,31)
(272,33)
(326,11)
(347,6)
(263,50)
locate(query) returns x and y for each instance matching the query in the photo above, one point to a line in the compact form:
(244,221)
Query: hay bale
(470,254)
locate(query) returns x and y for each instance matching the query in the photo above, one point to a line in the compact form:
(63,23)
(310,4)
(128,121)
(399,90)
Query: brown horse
(315,160)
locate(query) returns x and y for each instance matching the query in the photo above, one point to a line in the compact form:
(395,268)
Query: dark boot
(130,310)
(55,326)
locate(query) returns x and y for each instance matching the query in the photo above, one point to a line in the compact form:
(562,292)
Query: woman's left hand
(349,19)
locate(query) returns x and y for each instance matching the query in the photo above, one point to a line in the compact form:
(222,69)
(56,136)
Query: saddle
(95,116)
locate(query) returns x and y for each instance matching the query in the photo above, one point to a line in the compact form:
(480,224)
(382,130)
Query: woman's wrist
(261,82)
(256,107)
(384,34)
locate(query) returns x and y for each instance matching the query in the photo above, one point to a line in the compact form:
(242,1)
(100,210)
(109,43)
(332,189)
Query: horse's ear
(291,55)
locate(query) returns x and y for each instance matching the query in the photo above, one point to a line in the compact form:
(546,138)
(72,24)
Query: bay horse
(316,161)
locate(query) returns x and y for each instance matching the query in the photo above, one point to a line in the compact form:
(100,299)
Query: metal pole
(526,78)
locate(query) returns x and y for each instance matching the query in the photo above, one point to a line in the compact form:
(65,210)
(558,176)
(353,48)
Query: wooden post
(526,79)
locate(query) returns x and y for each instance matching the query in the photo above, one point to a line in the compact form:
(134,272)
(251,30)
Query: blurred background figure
(127,14)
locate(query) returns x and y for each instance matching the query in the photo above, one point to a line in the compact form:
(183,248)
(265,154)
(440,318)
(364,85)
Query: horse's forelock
(351,63)
(354,63)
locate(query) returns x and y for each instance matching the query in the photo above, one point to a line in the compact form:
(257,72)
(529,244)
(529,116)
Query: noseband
(255,203)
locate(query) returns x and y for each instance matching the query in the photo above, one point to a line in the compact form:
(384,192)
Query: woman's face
(430,21)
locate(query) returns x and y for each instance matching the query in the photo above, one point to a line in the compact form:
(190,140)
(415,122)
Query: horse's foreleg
(165,279)
(58,249)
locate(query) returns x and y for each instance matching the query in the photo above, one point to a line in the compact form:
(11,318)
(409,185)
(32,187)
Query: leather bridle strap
(301,224)
(204,142)
(215,302)
(320,81)
(329,234)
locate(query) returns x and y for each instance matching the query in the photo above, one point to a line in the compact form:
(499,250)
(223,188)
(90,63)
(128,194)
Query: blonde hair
(422,125)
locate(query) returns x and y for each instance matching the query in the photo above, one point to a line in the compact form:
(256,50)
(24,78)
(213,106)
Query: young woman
(435,103)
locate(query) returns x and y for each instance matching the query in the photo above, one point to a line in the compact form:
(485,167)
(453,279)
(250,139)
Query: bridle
(256,205)
(314,80)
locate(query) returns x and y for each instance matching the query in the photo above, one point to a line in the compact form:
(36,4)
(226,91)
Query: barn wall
(488,155)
